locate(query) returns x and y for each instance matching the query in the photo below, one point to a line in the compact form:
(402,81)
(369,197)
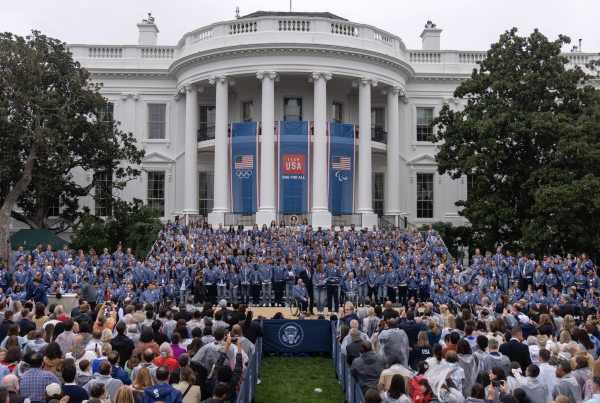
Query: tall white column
(392,201)
(365,197)
(321,217)
(267,210)
(221,202)
(190,191)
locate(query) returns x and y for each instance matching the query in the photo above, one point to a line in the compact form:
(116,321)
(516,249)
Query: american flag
(341,163)
(244,162)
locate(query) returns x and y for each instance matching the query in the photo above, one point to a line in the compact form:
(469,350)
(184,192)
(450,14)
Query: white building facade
(179,101)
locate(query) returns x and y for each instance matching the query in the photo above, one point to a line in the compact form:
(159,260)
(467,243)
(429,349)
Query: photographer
(102,322)
(224,374)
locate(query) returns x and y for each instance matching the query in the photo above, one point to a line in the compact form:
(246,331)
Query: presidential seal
(290,334)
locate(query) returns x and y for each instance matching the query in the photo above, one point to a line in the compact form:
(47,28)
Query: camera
(234,340)
(496,384)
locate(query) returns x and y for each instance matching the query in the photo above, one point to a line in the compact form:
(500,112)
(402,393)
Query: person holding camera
(224,374)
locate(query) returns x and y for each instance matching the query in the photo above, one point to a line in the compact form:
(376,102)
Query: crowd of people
(504,328)
(124,353)
(520,353)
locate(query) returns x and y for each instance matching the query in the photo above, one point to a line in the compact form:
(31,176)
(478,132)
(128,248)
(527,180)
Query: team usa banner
(245,175)
(293,173)
(341,167)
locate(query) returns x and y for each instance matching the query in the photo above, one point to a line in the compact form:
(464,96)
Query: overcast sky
(466,24)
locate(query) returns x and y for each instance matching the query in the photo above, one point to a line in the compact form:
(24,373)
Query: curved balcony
(291,28)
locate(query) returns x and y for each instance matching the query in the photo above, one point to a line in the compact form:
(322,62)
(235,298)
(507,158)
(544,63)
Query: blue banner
(244,157)
(296,336)
(293,173)
(341,167)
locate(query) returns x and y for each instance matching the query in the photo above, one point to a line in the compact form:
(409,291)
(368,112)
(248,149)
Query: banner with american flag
(245,174)
(341,166)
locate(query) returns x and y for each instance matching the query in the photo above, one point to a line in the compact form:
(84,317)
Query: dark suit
(23,324)
(516,351)
(160,338)
(391,313)
(309,287)
(566,309)
(183,315)
(412,330)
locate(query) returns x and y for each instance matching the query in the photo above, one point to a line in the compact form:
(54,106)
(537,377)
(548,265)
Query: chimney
(148,32)
(581,50)
(431,37)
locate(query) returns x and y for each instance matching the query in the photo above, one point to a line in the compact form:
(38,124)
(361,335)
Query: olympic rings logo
(243,173)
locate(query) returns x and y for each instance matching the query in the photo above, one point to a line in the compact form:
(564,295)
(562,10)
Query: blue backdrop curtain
(341,167)
(293,173)
(244,159)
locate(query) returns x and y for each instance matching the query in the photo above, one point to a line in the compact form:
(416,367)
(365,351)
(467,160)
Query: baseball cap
(53,389)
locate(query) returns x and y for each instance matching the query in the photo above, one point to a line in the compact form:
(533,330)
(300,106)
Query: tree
(134,225)
(51,129)
(530,136)
(450,235)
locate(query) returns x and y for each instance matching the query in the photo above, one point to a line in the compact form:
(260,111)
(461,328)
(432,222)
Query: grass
(293,380)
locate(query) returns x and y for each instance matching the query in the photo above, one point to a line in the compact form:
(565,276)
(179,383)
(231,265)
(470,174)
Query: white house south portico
(186,104)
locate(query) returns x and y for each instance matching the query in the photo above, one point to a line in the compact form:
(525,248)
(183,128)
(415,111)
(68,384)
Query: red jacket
(169,361)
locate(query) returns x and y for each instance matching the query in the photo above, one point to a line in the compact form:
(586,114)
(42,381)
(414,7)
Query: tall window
(247,107)
(106,113)
(54,210)
(424,130)
(206,196)
(206,124)
(471,182)
(157,121)
(378,194)
(292,109)
(337,112)
(424,195)
(103,193)
(156,192)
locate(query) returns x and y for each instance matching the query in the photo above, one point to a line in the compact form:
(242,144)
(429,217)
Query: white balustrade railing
(157,53)
(294,25)
(276,29)
(203,35)
(105,53)
(471,57)
(243,27)
(381,37)
(579,59)
(342,28)
(425,57)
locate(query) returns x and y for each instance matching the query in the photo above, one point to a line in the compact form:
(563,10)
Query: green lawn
(291,380)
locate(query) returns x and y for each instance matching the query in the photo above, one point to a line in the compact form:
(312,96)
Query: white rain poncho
(394,342)
(483,360)
(582,375)
(437,377)
(548,377)
(468,364)
(536,391)
(457,376)
(569,387)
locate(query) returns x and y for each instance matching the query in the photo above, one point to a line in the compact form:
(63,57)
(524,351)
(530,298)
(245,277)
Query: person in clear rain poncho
(567,385)
(466,361)
(393,341)
(536,391)
(437,378)
(482,357)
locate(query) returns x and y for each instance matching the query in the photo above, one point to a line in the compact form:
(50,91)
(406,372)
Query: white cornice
(292,49)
